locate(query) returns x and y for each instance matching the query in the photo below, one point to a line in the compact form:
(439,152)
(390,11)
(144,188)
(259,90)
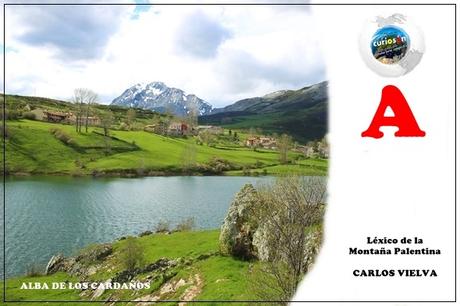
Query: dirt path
(192,291)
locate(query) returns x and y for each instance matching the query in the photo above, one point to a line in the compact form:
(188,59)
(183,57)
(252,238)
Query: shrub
(33,270)
(29,115)
(124,126)
(5,131)
(61,135)
(162,226)
(186,225)
(132,254)
(219,165)
(11,114)
(290,212)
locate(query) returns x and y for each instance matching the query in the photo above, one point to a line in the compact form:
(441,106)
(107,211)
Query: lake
(50,215)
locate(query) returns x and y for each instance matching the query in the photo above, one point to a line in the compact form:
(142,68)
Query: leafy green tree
(132,254)
(107,121)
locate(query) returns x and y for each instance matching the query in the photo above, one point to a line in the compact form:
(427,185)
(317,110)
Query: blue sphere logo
(390,44)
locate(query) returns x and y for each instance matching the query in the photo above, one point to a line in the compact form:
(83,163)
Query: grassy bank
(35,147)
(221,277)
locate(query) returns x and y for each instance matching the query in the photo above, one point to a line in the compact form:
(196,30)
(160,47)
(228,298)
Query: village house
(210,128)
(308,150)
(39,114)
(264,142)
(323,149)
(54,116)
(178,129)
(65,117)
(157,128)
(315,149)
(268,142)
(92,120)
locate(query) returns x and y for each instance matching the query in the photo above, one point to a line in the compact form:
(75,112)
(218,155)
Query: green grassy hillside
(19,104)
(46,148)
(222,277)
(303,125)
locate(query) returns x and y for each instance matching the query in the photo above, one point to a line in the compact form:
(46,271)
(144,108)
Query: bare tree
(291,212)
(188,158)
(130,116)
(83,98)
(284,143)
(206,137)
(192,115)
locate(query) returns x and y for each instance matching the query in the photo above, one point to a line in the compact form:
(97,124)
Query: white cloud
(220,53)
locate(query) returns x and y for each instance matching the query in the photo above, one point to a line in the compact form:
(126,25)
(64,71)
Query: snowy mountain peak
(159,97)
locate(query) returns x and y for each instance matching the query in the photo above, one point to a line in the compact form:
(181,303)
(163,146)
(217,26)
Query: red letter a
(403,117)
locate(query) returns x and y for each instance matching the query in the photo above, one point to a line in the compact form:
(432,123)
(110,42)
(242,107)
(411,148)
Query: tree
(192,115)
(132,254)
(284,144)
(291,212)
(206,137)
(189,156)
(130,116)
(107,121)
(83,98)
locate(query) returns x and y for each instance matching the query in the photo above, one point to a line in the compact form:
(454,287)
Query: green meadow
(223,277)
(35,147)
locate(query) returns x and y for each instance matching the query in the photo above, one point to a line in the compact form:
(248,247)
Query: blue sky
(220,53)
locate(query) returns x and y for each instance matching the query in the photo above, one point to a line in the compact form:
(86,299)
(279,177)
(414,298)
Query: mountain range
(300,113)
(161,98)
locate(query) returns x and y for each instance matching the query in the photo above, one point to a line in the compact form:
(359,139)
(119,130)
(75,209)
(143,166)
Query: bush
(5,131)
(186,225)
(33,270)
(61,135)
(217,165)
(162,227)
(132,254)
(29,115)
(11,114)
(124,126)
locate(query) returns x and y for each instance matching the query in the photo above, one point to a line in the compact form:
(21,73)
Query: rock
(55,264)
(96,253)
(237,231)
(91,270)
(247,234)
(260,242)
(146,233)
(193,291)
(206,255)
(161,264)
(100,290)
(126,275)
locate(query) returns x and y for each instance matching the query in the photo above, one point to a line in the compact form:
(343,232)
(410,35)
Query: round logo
(389,44)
